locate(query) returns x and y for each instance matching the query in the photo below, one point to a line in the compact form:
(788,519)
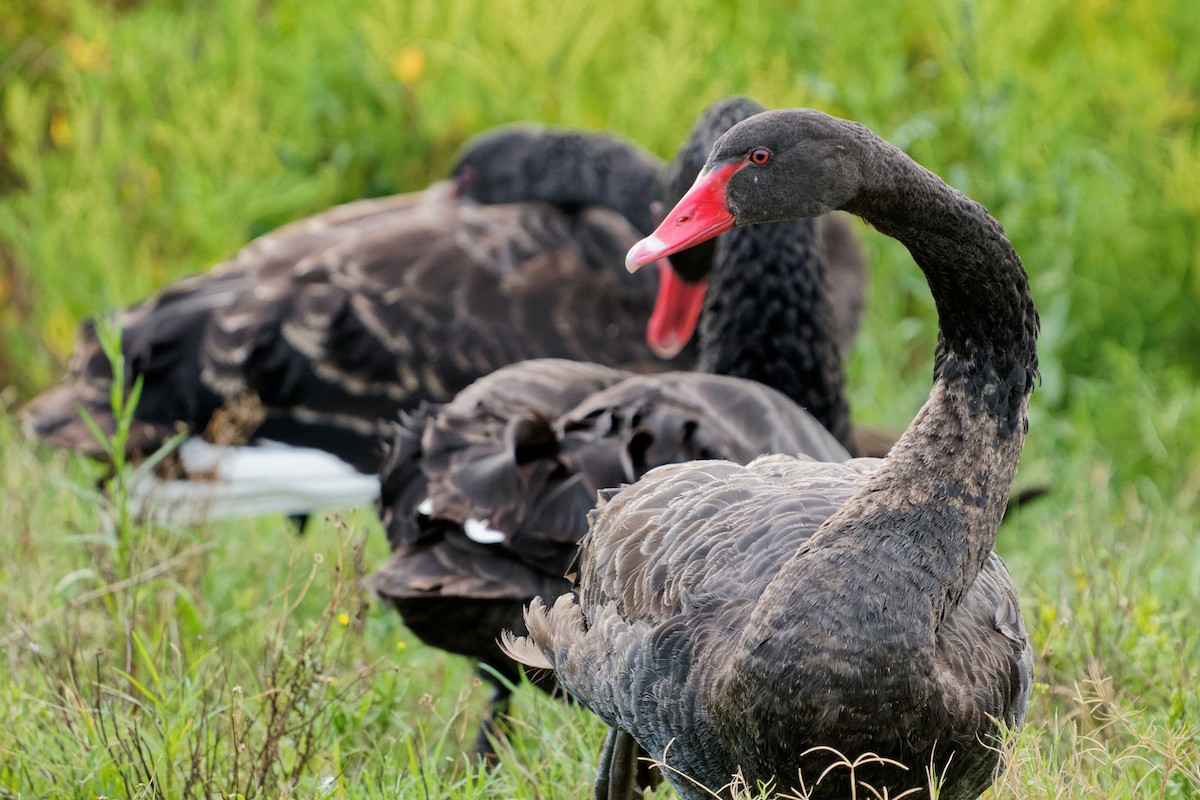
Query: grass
(143,142)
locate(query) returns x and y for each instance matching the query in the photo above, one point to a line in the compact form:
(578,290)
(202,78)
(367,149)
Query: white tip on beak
(645,251)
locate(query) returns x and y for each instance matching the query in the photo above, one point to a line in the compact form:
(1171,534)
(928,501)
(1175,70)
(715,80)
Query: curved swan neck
(986,317)
(927,519)
(767,317)
(572,170)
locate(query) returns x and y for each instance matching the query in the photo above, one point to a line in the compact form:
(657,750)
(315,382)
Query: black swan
(316,335)
(485,498)
(786,619)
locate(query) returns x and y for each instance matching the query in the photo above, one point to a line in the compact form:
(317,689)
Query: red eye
(760,155)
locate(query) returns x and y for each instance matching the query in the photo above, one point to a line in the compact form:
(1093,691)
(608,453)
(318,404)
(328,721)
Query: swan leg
(603,770)
(503,675)
(490,729)
(616,778)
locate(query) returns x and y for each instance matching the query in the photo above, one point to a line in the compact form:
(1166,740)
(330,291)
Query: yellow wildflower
(60,129)
(408,65)
(85,56)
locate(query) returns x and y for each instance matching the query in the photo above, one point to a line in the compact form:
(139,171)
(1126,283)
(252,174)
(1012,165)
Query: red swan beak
(700,215)
(676,311)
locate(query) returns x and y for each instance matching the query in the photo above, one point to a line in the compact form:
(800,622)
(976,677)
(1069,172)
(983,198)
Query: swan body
(823,627)
(314,336)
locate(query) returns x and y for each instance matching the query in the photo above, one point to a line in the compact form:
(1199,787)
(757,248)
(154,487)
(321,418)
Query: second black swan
(306,344)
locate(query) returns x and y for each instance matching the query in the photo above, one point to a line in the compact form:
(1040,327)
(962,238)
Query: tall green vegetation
(140,142)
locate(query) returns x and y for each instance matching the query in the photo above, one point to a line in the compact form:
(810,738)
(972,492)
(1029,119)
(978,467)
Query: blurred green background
(140,142)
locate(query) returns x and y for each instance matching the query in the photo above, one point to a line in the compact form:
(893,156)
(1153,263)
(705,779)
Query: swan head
(682,282)
(773,166)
